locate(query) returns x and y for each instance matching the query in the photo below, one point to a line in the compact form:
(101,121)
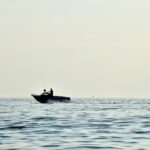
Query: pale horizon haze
(83,48)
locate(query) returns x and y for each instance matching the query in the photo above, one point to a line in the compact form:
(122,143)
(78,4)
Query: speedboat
(46,98)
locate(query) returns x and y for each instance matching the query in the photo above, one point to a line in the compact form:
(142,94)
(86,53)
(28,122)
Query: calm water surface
(83,124)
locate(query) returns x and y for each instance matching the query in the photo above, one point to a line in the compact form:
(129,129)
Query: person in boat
(45,92)
(51,93)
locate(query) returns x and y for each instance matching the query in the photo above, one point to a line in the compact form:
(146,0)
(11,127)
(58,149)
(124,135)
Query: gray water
(83,124)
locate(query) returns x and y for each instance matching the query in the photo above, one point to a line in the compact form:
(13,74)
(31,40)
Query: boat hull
(50,99)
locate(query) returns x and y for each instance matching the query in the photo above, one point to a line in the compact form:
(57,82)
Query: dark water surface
(83,124)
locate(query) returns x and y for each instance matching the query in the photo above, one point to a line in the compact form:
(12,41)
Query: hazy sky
(78,47)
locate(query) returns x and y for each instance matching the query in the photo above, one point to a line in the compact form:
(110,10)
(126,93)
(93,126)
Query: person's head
(44,90)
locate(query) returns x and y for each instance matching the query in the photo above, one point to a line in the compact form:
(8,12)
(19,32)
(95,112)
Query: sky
(79,48)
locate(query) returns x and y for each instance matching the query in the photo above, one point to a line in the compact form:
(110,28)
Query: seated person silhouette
(45,92)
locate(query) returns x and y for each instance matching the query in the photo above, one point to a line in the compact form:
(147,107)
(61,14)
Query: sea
(83,124)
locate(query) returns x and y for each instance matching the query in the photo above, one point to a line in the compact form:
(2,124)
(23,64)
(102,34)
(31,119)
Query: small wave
(13,128)
(141,132)
(62,126)
(50,146)
(95,147)
(44,118)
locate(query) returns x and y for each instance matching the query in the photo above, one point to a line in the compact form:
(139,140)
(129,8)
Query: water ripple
(83,124)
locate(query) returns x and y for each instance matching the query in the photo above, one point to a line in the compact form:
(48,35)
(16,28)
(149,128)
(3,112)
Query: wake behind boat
(47,97)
